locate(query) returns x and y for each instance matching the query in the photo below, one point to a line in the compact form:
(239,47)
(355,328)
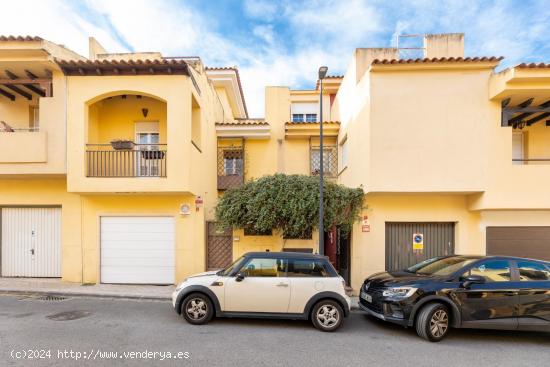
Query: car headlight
(399,292)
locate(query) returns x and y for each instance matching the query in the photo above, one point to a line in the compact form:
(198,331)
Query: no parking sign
(418,241)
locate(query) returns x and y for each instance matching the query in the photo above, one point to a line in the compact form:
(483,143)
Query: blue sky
(282,42)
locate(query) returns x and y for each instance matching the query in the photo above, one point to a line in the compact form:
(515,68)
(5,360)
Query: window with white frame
(304,112)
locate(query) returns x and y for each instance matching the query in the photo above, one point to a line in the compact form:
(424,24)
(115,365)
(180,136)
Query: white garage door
(31,242)
(137,250)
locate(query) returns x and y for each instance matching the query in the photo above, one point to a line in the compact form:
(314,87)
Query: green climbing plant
(289,203)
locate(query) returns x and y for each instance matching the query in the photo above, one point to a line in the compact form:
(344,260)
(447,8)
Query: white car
(267,284)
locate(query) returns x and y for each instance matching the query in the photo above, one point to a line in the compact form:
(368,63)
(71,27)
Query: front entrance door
(219,247)
(337,248)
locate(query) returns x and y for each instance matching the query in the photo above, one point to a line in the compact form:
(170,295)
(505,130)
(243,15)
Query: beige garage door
(138,250)
(530,242)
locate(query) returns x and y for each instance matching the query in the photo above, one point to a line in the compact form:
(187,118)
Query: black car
(488,292)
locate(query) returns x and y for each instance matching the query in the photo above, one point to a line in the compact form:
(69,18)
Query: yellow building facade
(111,165)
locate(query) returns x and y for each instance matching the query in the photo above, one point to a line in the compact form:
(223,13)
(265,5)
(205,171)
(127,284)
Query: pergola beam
(7,95)
(537,118)
(523,111)
(35,89)
(524,115)
(513,110)
(39,86)
(24,81)
(19,91)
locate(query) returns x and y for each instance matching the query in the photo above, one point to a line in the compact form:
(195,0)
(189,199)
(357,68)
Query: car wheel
(432,322)
(327,315)
(197,309)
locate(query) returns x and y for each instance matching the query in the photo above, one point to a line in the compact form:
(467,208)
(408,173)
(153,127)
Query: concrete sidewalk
(55,287)
(49,286)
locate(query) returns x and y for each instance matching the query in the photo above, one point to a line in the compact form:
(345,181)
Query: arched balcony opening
(126,136)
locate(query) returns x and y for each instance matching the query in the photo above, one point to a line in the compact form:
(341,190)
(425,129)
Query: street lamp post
(322,74)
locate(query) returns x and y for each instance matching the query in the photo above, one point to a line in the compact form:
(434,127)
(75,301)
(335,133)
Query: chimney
(365,56)
(444,45)
(94,48)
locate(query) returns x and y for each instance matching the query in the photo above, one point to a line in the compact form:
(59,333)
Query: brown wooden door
(529,242)
(219,246)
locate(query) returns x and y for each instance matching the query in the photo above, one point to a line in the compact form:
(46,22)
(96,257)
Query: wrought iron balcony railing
(143,160)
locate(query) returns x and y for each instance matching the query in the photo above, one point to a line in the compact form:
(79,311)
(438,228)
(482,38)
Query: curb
(354,306)
(79,294)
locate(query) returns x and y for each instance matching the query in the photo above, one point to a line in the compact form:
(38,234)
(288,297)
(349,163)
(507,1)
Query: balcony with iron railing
(126,159)
(230,167)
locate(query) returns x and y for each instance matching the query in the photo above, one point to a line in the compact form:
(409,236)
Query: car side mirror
(467,281)
(239,277)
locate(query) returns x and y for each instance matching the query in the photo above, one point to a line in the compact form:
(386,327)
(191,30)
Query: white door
(31,242)
(137,250)
(264,288)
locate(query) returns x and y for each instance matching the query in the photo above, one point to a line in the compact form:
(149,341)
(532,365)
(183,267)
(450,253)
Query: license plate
(366,297)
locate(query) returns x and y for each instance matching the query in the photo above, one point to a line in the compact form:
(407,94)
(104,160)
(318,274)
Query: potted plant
(122,144)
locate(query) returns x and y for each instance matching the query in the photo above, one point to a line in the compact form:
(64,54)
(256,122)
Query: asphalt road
(94,328)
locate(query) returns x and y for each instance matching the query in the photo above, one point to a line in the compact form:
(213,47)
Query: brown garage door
(531,242)
(439,240)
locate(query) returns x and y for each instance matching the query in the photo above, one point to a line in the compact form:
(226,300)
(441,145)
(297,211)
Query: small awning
(243,128)
(310,129)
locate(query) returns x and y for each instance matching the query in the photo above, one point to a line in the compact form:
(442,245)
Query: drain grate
(51,298)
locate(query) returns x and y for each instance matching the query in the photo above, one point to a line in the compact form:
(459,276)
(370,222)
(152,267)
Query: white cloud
(264,9)
(318,32)
(54,20)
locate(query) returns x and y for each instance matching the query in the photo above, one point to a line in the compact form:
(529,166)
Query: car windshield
(440,265)
(236,264)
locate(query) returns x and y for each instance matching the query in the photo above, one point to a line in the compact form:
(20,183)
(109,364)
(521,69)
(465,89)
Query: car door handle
(282,285)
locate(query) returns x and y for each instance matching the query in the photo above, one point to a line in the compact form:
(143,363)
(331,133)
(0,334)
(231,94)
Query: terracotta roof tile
(540,65)
(20,38)
(147,62)
(243,122)
(437,60)
(124,67)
